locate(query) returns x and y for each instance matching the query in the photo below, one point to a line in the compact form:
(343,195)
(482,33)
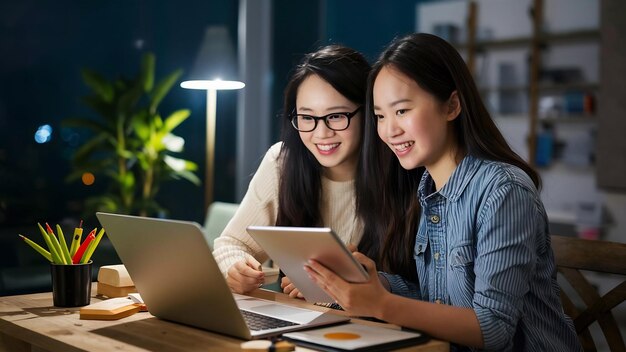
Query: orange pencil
(83,247)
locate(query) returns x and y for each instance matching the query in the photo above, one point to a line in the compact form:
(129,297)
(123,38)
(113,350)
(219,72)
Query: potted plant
(132,144)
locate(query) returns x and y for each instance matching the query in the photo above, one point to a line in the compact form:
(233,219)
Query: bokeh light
(88,178)
(43,134)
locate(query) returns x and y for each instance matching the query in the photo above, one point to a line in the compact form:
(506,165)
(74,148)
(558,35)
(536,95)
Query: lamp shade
(215,66)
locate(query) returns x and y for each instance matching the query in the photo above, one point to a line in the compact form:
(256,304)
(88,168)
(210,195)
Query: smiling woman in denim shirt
(459,206)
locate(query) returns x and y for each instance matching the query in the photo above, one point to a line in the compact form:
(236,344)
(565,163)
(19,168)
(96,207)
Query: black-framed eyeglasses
(336,121)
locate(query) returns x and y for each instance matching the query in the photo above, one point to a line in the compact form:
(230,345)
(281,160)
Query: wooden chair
(573,255)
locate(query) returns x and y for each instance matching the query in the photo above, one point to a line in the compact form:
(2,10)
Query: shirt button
(437,256)
(419,248)
(434,219)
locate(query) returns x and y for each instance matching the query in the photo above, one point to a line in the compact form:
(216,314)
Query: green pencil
(92,247)
(55,256)
(66,252)
(57,245)
(37,247)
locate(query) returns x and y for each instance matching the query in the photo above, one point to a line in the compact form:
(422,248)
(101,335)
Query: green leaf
(175,119)
(127,185)
(190,165)
(104,203)
(162,88)
(143,161)
(104,109)
(128,100)
(126,154)
(73,176)
(141,126)
(147,71)
(98,84)
(82,122)
(87,149)
(189,176)
(158,121)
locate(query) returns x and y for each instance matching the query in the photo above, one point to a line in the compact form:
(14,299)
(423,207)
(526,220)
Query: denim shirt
(483,243)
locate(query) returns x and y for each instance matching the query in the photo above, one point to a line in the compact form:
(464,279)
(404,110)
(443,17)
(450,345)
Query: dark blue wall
(43,45)
(368,26)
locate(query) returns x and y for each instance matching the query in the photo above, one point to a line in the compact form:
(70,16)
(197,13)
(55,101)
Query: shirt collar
(458,181)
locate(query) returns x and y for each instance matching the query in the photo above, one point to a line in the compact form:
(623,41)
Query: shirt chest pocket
(462,256)
(419,253)
(461,280)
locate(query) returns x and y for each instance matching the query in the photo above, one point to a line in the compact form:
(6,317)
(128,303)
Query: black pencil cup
(71,284)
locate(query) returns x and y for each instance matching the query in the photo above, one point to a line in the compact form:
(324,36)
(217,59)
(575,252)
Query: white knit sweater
(260,207)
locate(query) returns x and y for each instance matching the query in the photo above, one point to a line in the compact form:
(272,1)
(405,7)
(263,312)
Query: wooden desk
(31,323)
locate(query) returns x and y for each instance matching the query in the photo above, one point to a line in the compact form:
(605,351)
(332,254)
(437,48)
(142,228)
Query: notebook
(173,269)
(355,337)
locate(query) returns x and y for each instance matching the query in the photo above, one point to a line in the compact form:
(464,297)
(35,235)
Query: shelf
(560,167)
(544,87)
(565,118)
(553,87)
(566,37)
(573,36)
(511,88)
(569,118)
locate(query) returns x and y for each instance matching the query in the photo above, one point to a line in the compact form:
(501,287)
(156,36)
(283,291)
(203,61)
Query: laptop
(173,269)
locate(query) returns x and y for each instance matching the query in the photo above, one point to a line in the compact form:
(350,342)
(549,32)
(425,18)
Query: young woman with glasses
(461,209)
(309,178)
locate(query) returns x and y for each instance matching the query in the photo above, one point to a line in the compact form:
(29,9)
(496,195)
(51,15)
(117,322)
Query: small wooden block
(115,275)
(266,345)
(112,291)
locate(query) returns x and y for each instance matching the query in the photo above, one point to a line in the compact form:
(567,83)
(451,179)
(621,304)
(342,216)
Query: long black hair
(393,208)
(299,191)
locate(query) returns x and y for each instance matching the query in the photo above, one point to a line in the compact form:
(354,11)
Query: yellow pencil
(37,247)
(92,247)
(78,234)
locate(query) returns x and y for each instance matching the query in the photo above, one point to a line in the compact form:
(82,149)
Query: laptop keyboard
(263,322)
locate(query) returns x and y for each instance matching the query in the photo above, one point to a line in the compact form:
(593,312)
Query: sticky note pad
(111,309)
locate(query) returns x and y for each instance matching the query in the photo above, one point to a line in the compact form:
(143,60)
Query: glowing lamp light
(216,84)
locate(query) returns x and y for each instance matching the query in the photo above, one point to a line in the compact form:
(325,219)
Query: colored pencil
(37,247)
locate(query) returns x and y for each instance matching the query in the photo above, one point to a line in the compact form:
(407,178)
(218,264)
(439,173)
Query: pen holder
(71,284)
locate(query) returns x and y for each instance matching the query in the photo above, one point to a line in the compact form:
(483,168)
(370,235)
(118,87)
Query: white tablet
(292,247)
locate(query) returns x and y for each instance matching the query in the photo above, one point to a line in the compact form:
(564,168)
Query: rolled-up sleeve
(505,262)
(400,286)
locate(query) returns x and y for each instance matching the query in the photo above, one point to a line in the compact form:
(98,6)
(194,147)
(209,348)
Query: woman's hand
(289,288)
(361,299)
(245,276)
